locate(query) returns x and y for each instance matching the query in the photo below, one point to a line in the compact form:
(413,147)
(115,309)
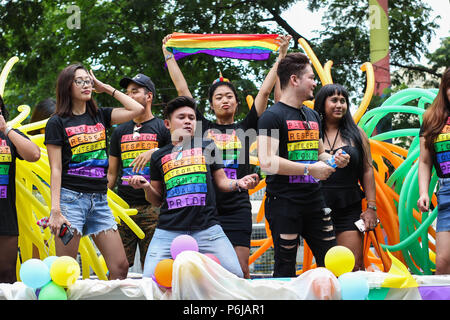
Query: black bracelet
(113,93)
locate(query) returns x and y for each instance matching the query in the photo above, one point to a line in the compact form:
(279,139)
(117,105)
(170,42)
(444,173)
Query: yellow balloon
(65,271)
(103,263)
(339,260)
(4,74)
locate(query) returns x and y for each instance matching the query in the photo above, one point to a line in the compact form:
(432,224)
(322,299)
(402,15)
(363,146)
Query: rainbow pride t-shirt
(442,152)
(298,132)
(83,139)
(189,201)
(233,143)
(127,144)
(8,215)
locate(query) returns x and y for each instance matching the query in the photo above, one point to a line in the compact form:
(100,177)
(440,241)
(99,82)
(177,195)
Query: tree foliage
(123,37)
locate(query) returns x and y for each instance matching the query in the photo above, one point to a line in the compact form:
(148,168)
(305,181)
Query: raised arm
(262,97)
(27,149)
(174,70)
(131,109)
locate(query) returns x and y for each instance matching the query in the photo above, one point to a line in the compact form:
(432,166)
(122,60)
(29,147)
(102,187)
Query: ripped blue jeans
(88,213)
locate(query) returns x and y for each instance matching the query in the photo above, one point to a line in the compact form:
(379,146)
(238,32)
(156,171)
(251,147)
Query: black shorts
(8,224)
(316,227)
(237,225)
(344,218)
(240,238)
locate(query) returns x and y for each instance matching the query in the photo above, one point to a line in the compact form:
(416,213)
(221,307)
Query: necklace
(334,142)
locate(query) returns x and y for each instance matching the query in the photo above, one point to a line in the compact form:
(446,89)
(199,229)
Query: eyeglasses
(82,83)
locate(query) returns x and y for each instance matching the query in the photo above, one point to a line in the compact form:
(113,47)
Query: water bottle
(331,161)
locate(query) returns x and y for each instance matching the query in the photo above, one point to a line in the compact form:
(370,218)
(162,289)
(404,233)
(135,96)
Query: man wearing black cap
(132,144)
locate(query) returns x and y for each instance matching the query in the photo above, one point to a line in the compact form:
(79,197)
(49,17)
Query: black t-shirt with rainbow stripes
(127,145)
(441,154)
(298,132)
(83,140)
(189,201)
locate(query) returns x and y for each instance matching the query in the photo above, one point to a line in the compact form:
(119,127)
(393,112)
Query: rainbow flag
(235,46)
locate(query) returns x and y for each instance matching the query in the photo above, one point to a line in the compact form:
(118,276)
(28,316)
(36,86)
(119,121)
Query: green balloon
(52,291)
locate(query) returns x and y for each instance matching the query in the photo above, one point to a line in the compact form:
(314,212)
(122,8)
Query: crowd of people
(185,174)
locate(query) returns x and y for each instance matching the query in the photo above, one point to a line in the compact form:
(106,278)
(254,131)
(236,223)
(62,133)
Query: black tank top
(341,189)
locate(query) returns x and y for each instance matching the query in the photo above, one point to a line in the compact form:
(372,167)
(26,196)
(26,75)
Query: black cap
(140,79)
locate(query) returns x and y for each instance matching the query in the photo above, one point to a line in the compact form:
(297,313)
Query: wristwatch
(306,172)
(374,208)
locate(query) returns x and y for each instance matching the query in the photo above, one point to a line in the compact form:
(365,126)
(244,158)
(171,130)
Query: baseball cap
(140,79)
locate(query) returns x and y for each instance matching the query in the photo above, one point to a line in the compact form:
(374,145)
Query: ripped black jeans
(288,218)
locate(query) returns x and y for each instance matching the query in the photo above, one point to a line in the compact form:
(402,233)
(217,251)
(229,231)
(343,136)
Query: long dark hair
(435,117)
(5,112)
(349,130)
(64,92)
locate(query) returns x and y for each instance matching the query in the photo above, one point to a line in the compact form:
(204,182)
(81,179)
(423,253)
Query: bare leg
(110,245)
(243,253)
(354,241)
(443,252)
(71,249)
(8,258)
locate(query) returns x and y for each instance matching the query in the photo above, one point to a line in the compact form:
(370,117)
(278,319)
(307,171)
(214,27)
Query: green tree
(123,37)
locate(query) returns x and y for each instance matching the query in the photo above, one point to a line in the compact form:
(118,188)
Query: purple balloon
(183,243)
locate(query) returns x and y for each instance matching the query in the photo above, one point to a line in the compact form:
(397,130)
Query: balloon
(52,291)
(211,256)
(34,273)
(183,243)
(103,263)
(353,286)
(65,271)
(339,260)
(163,273)
(49,261)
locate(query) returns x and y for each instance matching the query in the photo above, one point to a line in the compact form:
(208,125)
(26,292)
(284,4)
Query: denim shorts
(88,213)
(211,240)
(443,199)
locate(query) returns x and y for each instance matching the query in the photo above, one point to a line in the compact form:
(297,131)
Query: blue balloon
(34,273)
(49,260)
(353,286)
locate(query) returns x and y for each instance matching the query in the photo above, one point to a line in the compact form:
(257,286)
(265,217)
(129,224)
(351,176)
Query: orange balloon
(163,273)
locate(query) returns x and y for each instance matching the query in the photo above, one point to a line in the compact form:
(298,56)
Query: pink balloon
(210,255)
(183,243)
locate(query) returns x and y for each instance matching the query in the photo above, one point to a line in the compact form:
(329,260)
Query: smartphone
(361,226)
(65,234)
